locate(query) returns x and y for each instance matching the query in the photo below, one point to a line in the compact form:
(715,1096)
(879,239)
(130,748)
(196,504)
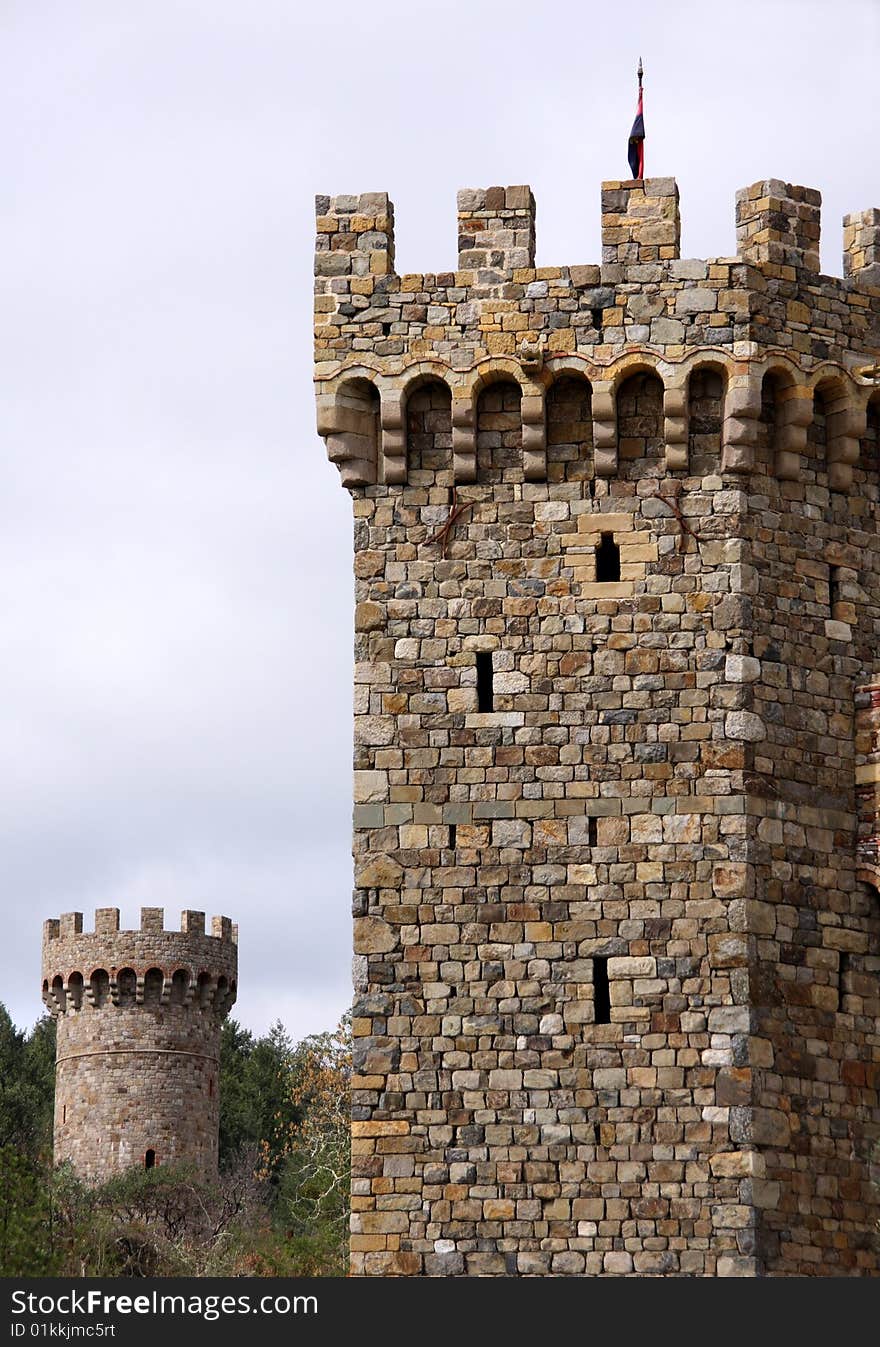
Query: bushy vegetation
(27,1085)
(279,1206)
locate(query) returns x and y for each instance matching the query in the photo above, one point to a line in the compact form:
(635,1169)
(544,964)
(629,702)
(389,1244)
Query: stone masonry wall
(617,594)
(814,622)
(138,1017)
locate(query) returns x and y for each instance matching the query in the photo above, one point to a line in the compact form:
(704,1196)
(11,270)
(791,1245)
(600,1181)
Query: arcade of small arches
(125,987)
(641,416)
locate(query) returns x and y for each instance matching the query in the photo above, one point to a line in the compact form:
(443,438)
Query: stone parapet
(861,248)
(640,222)
(778,224)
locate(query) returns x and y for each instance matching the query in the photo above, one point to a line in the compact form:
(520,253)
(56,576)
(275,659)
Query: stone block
(372,935)
(379,872)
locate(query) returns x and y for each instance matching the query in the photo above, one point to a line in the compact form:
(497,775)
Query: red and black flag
(636,153)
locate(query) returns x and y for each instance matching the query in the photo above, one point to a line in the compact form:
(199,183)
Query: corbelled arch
(426,417)
(494,371)
(395,392)
(569,423)
(786,413)
(348,419)
(639,394)
(707,385)
(499,429)
(839,403)
(869,443)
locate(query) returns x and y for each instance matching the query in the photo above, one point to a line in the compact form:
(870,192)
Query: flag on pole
(636,154)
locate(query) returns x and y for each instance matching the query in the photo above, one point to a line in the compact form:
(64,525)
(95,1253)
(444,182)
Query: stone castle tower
(617,739)
(138,1017)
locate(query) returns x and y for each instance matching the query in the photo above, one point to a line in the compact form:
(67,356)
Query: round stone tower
(138,1016)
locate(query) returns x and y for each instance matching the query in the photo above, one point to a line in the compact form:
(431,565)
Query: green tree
(26,1233)
(39,1072)
(256,1108)
(27,1085)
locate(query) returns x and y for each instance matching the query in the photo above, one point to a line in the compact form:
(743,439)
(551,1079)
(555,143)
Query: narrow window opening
(150,1160)
(453,832)
(593,831)
(843,972)
(386,329)
(596,315)
(607,560)
(834,586)
(211,1088)
(601,991)
(592,486)
(485,693)
(64,1113)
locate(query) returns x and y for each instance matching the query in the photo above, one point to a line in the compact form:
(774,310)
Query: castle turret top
(777,226)
(74,958)
(379,335)
(152,923)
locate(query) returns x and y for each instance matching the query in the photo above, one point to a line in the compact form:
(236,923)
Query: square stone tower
(617,740)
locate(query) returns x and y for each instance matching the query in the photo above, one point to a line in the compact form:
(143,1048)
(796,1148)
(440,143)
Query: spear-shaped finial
(640,72)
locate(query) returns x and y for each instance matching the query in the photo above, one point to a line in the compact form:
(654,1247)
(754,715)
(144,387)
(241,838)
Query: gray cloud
(174,549)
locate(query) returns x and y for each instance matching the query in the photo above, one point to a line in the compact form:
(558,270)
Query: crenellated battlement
(109,966)
(106,922)
(380,336)
(777,229)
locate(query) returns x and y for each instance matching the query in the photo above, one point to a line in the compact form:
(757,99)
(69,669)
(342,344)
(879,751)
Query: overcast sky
(175,550)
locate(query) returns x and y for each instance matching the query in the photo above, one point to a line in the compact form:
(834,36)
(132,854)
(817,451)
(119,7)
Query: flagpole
(642,147)
(636,145)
